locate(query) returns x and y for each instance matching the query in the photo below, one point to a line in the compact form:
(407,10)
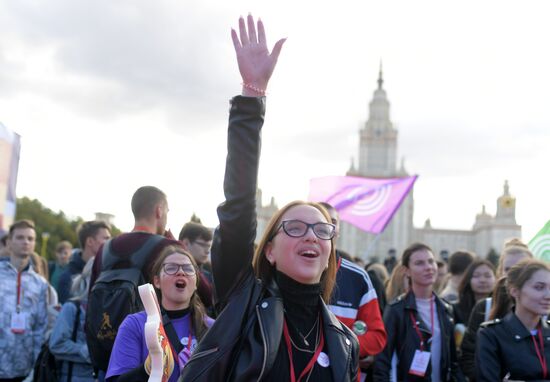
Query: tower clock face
(507,202)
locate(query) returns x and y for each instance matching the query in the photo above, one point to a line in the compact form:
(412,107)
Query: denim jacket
(65,349)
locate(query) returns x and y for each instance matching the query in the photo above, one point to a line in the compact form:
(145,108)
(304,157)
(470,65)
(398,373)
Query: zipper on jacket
(204,353)
(264,343)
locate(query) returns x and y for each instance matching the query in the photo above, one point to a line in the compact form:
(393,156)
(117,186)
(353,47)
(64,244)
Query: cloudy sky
(111,95)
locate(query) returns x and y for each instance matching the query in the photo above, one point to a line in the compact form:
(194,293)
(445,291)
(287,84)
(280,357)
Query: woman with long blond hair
(274,324)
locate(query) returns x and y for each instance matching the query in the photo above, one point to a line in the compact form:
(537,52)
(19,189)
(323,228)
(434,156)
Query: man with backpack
(121,265)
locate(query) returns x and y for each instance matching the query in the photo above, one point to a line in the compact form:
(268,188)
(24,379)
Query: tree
(51,227)
(493,257)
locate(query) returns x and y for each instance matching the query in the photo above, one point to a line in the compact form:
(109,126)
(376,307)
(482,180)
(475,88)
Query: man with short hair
(91,236)
(355,303)
(458,263)
(197,240)
(23,304)
(150,209)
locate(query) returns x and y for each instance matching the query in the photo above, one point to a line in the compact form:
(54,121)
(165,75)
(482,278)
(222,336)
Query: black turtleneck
(301,304)
(174,314)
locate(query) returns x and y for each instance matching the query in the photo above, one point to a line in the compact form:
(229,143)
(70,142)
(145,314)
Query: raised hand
(256,64)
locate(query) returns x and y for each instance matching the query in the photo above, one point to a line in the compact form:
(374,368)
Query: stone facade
(378,140)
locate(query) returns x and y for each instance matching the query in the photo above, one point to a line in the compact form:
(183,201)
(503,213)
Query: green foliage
(56,224)
(493,257)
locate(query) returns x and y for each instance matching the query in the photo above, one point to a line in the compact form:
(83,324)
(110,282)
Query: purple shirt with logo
(130,349)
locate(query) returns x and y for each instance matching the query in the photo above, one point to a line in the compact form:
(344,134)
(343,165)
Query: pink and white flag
(367,203)
(10,146)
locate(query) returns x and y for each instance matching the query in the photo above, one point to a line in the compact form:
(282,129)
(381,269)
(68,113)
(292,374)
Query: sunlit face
(422,268)
(334,219)
(200,249)
(177,289)
(511,260)
(22,241)
(534,296)
(96,241)
(302,258)
(483,280)
(63,255)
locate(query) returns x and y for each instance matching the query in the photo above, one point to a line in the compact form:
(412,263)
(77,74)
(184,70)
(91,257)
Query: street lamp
(45,237)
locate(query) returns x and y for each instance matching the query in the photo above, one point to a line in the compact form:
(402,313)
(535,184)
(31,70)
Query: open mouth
(309,254)
(181,284)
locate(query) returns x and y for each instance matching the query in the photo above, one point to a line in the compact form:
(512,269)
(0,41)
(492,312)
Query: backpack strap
(138,258)
(171,333)
(109,258)
(488,304)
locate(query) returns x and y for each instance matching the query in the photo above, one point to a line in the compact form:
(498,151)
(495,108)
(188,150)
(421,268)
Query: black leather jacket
(243,342)
(403,340)
(505,347)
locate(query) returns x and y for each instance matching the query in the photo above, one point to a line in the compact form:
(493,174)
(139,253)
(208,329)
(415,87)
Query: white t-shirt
(425,313)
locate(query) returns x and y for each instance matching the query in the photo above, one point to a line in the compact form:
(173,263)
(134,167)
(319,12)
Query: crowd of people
(288,307)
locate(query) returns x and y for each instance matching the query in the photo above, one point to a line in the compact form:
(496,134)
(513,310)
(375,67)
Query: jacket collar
(519,331)
(410,306)
(337,343)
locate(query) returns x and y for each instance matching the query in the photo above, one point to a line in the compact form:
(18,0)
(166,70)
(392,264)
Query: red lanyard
(540,353)
(141,228)
(18,306)
(311,362)
(190,338)
(416,326)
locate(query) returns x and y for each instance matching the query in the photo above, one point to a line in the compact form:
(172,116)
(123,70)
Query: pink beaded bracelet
(254,88)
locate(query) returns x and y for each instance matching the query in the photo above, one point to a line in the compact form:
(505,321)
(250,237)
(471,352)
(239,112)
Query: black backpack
(113,297)
(47,367)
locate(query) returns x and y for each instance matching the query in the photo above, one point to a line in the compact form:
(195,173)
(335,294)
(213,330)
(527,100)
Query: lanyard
(416,326)
(141,228)
(18,306)
(311,362)
(190,338)
(540,353)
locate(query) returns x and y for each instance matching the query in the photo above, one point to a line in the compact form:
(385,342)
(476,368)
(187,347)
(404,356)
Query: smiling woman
(517,347)
(420,327)
(175,282)
(274,325)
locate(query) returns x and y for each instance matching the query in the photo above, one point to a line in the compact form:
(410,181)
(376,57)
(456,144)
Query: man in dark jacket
(91,235)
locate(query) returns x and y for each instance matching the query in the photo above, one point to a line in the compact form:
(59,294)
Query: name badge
(18,322)
(420,363)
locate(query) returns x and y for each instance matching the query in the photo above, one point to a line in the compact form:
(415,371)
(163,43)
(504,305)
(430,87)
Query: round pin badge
(323,360)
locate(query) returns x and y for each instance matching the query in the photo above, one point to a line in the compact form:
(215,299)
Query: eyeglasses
(172,268)
(298,228)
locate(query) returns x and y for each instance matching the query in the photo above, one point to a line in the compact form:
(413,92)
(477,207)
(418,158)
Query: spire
(380,79)
(506,188)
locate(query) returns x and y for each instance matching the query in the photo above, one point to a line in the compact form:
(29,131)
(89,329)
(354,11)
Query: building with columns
(378,140)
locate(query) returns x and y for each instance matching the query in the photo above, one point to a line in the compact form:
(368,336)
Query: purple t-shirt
(130,349)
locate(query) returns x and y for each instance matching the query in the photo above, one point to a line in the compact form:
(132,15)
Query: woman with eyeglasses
(274,325)
(420,345)
(175,282)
